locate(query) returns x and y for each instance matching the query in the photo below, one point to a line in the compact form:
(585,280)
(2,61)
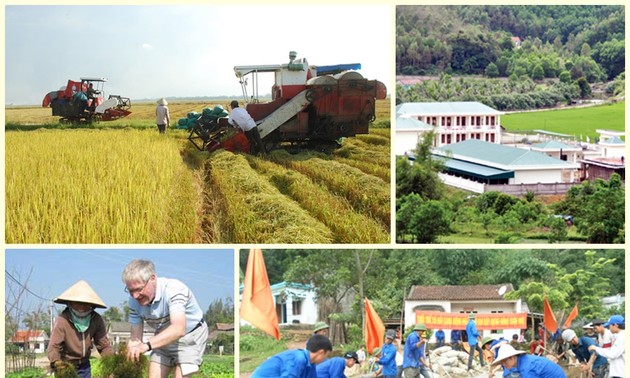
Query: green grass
(579,121)
(256,347)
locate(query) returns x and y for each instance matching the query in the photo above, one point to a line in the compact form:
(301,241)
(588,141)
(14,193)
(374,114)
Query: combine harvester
(311,106)
(78,103)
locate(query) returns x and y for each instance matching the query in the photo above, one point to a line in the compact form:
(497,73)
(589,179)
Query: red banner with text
(437,320)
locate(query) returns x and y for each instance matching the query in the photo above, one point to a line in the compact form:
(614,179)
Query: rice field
(124,183)
(97,186)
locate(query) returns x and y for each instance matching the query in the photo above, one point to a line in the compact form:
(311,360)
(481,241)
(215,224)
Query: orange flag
(257,306)
(550,319)
(572,315)
(374,328)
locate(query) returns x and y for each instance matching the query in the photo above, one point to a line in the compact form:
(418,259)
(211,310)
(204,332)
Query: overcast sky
(152,51)
(209,273)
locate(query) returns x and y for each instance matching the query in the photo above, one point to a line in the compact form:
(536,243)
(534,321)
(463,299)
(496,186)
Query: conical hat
(162,101)
(80,292)
(506,351)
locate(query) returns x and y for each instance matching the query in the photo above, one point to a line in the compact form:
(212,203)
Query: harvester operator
(240,118)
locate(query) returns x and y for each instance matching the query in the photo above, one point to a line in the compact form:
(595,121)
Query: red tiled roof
(454,293)
(23,336)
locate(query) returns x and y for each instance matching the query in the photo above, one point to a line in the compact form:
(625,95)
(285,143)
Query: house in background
(120,332)
(609,160)
(453,122)
(409,132)
(560,150)
(35,341)
(295,303)
(482,300)
(474,165)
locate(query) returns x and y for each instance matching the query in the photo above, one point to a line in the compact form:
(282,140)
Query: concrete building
(453,122)
(409,132)
(482,300)
(492,163)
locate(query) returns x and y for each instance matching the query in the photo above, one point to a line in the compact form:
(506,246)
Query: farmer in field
(77,329)
(414,363)
(163,118)
(298,363)
(240,118)
(473,341)
(590,362)
(334,367)
(517,363)
(171,309)
(388,356)
(617,351)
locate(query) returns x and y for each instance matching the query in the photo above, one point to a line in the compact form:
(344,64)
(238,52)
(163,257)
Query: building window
(297,307)
(433,121)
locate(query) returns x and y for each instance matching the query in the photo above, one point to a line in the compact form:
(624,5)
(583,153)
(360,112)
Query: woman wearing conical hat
(78,328)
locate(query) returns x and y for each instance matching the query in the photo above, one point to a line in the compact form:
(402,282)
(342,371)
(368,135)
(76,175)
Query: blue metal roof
(411,124)
(337,68)
(472,169)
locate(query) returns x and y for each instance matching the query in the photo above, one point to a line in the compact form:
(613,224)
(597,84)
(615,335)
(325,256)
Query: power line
(24,287)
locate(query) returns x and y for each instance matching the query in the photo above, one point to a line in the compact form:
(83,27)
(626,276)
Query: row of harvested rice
(258,211)
(97,186)
(335,212)
(367,194)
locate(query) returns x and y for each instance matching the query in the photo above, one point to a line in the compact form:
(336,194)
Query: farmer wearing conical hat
(162,115)
(517,363)
(78,328)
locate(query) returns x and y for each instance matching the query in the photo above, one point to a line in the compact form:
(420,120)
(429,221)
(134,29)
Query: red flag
(374,328)
(572,315)
(257,306)
(550,320)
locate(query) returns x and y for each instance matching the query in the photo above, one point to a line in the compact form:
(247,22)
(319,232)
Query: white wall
(406,141)
(536,176)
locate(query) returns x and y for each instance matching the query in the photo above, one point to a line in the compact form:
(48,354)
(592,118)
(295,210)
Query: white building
(453,122)
(493,163)
(31,340)
(295,303)
(477,299)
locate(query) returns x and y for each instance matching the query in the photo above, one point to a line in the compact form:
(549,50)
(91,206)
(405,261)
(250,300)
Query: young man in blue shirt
(414,363)
(334,367)
(517,363)
(388,356)
(589,360)
(296,363)
(473,341)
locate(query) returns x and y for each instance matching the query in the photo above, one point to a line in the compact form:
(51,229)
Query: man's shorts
(187,350)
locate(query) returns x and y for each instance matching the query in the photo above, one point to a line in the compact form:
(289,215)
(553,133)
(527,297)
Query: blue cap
(615,319)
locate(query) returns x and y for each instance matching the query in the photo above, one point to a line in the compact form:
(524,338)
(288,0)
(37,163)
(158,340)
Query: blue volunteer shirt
(530,366)
(456,335)
(288,364)
(332,368)
(582,353)
(411,356)
(471,332)
(388,359)
(439,335)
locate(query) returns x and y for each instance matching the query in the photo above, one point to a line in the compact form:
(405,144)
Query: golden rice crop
(335,212)
(366,193)
(258,211)
(97,186)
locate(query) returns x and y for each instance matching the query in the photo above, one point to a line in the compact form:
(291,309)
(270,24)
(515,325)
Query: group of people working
(598,358)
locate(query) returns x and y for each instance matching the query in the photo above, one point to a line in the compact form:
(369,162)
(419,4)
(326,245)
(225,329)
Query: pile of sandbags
(447,361)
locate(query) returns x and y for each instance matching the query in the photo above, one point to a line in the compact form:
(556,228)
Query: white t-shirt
(241,119)
(615,355)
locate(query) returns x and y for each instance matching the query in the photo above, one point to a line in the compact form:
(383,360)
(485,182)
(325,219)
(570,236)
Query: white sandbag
(457,370)
(440,350)
(451,353)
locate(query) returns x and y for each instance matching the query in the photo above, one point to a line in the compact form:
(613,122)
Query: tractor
(82,102)
(312,106)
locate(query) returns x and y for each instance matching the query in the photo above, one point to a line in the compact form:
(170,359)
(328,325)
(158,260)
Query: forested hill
(587,41)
